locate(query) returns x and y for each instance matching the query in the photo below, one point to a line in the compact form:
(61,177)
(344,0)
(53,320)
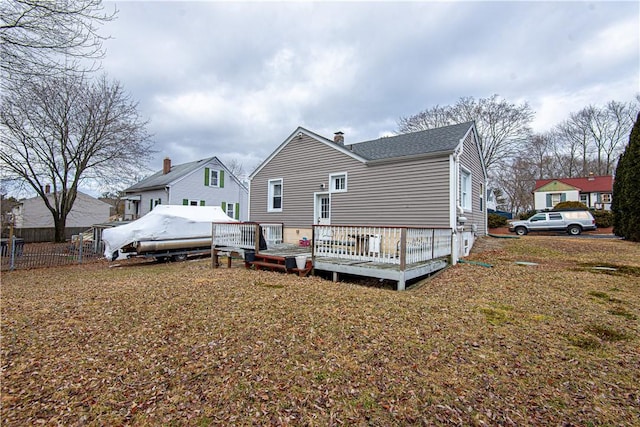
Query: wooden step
(267,264)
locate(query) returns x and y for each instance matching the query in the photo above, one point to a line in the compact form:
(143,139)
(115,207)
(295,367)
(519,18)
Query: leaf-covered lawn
(548,344)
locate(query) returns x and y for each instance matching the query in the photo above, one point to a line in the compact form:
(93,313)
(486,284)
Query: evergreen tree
(626,189)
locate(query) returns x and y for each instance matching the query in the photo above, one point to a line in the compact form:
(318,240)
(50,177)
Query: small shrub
(570,204)
(603,218)
(527,214)
(496,221)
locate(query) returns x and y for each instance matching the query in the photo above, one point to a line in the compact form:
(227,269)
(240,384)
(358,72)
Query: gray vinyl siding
(470,159)
(405,193)
(86,211)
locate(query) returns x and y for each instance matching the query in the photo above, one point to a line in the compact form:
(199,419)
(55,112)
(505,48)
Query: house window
(213,181)
(555,199)
(231,210)
(275,195)
(465,189)
(584,198)
(153,203)
(338,182)
(605,197)
(192,202)
(213,178)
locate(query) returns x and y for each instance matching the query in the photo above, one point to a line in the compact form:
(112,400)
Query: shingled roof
(443,139)
(603,183)
(159,179)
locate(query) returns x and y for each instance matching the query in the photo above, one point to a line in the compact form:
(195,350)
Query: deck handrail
(398,245)
(245,235)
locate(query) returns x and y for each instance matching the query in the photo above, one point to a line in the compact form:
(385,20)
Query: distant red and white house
(594,191)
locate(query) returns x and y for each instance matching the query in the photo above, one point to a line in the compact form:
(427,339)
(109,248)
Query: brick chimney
(166,166)
(47,189)
(338,138)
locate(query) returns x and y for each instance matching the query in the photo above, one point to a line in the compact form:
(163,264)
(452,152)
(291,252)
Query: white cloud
(222,78)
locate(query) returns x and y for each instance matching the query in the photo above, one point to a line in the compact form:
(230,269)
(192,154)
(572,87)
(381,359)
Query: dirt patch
(488,243)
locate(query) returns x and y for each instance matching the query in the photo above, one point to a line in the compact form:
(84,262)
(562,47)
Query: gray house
(206,182)
(432,178)
(34,222)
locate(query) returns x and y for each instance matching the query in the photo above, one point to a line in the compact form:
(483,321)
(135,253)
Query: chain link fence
(19,255)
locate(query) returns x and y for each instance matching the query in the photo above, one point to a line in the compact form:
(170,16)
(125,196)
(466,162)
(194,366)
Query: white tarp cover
(162,223)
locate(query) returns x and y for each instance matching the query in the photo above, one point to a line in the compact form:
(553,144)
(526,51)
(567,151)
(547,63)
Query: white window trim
(194,200)
(333,177)
(466,199)
(231,206)
(217,184)
(270,185)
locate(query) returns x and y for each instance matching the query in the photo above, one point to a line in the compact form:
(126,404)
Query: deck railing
(390,245)
(245,235)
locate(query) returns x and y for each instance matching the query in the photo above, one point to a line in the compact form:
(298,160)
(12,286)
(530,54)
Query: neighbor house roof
(591,184)
(444,139)
(160,179)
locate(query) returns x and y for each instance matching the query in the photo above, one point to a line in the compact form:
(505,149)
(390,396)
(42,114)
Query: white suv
(573,222)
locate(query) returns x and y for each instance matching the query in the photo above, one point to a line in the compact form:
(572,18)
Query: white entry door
(323,209)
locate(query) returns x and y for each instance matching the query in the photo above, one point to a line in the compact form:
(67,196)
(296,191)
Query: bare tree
(502,126)
(517,179)
(45,37)
(65,131)
(235,167)
(593,138)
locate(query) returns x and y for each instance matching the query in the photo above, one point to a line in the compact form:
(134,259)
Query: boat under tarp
(166,227)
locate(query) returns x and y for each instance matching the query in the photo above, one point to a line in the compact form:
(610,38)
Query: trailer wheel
(178,258)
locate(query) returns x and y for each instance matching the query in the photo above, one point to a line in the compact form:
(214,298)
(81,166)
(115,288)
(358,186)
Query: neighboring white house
(594,191)
(205,182)
(86,211)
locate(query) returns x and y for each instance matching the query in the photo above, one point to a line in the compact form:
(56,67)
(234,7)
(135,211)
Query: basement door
(322,208)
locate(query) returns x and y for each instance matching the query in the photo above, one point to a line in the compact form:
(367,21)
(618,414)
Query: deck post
(403,249)
(335,276)
(256,237)
(401,284)
(214,255)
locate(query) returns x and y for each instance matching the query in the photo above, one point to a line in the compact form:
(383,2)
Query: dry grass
(181,344)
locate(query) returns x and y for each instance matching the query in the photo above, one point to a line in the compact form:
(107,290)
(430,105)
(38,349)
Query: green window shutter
(201,202)
(185,202)
(221,179)
(548,200)
(237,211)
(223,205)
(207,175)
(150,205)
(563,197)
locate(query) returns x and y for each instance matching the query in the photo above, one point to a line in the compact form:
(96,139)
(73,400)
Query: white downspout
(455,197)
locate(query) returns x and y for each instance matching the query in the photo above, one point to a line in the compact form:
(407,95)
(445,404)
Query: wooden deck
(379,270)
(393,253)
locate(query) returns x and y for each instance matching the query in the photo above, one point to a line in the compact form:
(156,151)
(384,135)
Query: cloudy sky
(234,79)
